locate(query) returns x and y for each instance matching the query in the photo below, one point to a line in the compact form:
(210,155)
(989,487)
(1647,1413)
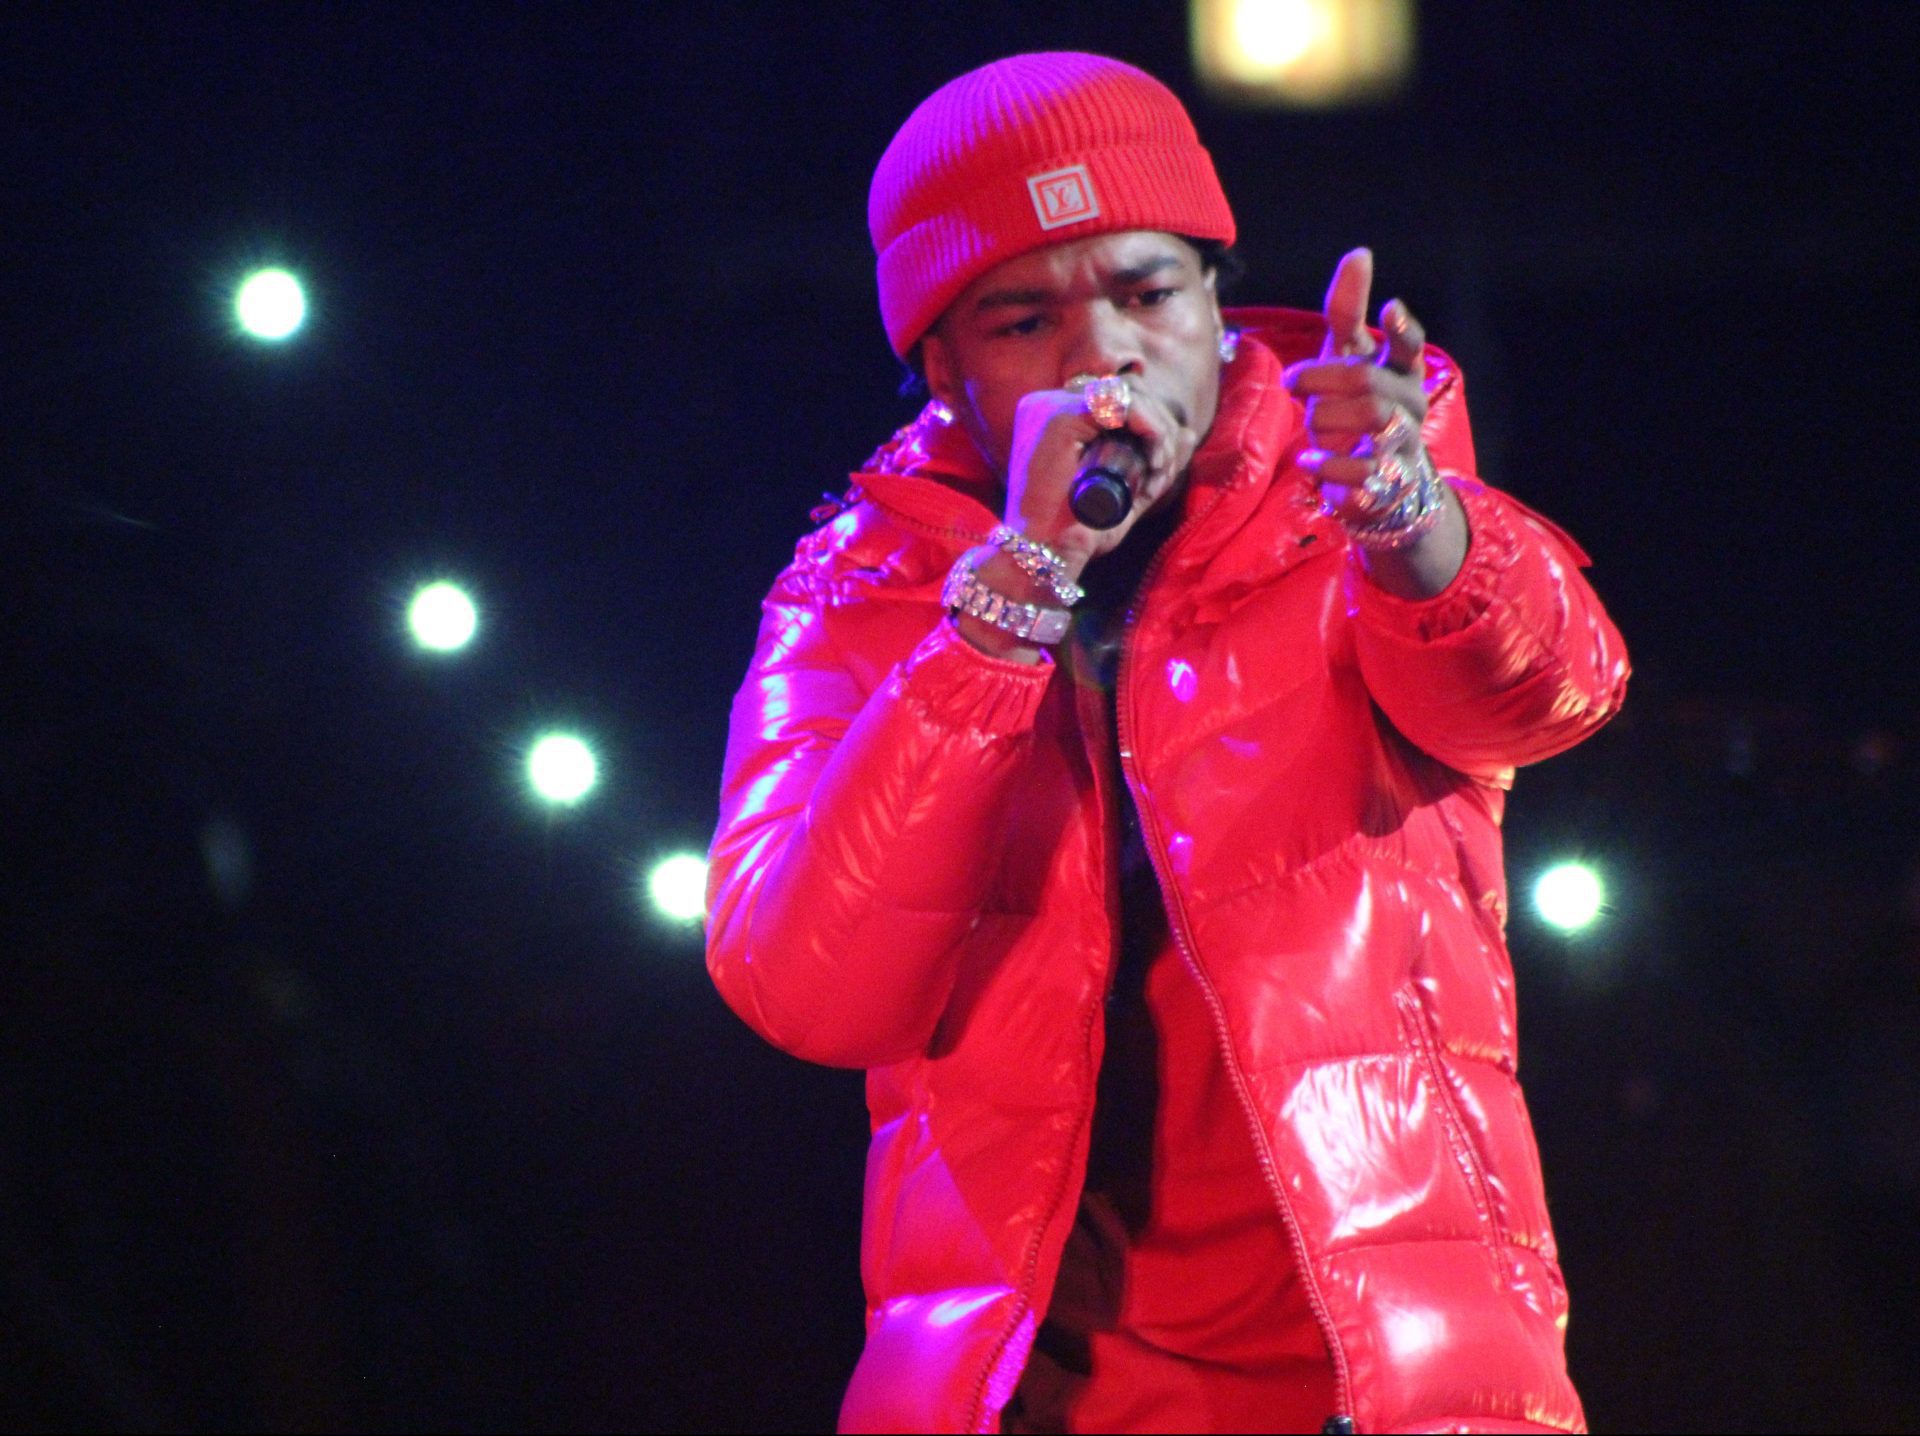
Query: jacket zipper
(1030,1267)
(1176,915)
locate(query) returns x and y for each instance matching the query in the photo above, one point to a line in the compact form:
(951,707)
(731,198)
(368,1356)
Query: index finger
(1406,339)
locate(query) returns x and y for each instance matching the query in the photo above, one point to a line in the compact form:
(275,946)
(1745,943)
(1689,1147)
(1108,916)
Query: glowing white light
(1273,34)
(1570,896)
(562,769)
(678,887)
(1308,53)
(271,304)
(442,617)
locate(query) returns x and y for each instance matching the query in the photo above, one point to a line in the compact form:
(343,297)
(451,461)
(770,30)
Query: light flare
(561,769)
(442,617)
(1570,896)
(270,305)
(678,887)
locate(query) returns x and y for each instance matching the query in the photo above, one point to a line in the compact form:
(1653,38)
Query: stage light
(561,768)
(442,617)
(1303,53)
(270,304)
(1271,37)
(678,887)
(1570,896)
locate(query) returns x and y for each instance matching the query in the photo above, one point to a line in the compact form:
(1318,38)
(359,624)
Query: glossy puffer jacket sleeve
(857,828)
(1515,660)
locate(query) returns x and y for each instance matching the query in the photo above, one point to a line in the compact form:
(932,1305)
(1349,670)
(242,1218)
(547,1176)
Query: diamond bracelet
(1417,506)
(965,592)
(1041,564)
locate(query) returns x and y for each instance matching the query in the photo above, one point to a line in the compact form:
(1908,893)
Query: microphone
(1110,470)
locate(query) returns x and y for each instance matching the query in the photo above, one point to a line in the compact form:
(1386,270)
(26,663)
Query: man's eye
(1149,298)
(1029,325)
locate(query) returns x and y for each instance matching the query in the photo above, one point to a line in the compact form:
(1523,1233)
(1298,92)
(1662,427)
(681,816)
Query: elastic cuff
(1492,550)
(958,686)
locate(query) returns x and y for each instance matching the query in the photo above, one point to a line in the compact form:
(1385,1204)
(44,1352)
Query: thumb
(1346,306)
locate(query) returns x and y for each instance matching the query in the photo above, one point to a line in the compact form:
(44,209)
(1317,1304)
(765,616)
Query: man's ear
(1212,280)
(937,365)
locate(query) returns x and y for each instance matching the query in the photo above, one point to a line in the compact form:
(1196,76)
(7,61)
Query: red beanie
(1029,151)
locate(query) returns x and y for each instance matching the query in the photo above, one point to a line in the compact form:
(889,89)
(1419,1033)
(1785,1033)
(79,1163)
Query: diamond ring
(1386,484)
(1400,433)
(1107,398)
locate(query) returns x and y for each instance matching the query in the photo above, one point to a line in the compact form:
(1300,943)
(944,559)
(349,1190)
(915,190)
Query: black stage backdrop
(340,1087)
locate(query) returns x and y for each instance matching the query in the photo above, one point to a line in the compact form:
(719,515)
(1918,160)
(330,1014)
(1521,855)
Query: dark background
(342,1087)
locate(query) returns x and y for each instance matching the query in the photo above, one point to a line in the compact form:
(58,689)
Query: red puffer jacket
(914,874)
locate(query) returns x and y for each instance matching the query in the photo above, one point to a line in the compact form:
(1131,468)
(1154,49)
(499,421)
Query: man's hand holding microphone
(1062,437)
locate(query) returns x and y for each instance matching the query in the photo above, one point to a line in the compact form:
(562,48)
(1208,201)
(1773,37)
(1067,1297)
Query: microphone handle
(1102,492)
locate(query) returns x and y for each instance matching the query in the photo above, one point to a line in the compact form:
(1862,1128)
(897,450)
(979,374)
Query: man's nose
(1103,342)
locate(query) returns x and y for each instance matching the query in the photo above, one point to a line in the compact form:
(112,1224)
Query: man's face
(1139,304)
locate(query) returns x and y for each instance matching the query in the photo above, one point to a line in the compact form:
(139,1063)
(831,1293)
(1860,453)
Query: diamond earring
(1229,345)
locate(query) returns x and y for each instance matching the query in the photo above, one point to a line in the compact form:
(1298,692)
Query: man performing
(1153,872)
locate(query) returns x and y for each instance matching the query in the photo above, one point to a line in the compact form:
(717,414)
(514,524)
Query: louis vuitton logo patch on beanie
(1063,197)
